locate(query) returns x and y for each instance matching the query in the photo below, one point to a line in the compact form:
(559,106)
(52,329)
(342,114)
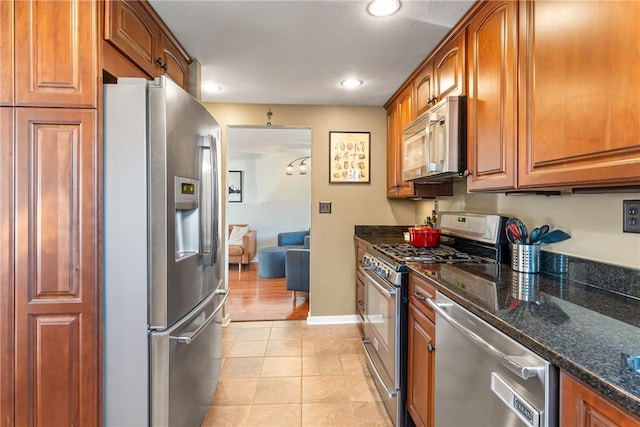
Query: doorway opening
(262,195)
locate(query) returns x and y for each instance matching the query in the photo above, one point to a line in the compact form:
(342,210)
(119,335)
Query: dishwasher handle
(525,372)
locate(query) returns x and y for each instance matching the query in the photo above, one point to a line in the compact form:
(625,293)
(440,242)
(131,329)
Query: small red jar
(424,237)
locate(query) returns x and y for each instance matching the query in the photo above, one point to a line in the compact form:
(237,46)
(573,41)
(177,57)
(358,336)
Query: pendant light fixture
(302,167)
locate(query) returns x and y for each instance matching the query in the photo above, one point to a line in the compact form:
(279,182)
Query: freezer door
(185,365)
(183,177)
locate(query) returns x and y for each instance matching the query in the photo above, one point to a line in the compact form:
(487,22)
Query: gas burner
(404,252)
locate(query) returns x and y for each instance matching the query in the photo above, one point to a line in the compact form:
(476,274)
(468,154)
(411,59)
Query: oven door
(381,334)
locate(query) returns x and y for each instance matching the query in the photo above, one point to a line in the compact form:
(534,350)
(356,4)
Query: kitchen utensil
(533,237)
(513,233)
(543,230)
(424,237)
(522,230)
(554,236)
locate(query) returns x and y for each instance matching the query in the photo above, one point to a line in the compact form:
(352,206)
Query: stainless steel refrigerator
(163,282)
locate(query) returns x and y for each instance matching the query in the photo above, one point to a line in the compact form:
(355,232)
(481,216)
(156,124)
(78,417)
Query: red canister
(424,237)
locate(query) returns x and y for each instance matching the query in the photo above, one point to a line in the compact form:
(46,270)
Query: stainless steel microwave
(435,144)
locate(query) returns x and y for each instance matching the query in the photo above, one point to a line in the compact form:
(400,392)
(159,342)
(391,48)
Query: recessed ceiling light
(351,83)
(383,7)
(211,88)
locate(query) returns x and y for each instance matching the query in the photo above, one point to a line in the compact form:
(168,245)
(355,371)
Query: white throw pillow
(235,237)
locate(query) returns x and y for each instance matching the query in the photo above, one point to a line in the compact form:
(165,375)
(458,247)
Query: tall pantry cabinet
(49,261)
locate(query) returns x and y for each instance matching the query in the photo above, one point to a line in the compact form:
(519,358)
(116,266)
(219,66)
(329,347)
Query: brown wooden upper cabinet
(492,97)
(134,29)
(578,118)
(399,114)
(55,64)
(441,75)
(449,68)
(423,87)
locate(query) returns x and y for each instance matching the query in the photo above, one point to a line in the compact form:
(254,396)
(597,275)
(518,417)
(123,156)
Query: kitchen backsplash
(594,221)
(611,278)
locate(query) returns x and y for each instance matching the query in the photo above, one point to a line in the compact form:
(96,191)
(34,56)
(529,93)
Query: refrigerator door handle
(208,200)
(188,338)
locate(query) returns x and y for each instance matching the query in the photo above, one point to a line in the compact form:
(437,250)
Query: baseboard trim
(226,320)
(333,320)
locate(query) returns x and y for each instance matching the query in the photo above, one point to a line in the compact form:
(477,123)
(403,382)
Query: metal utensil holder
(525,258)
(524,286)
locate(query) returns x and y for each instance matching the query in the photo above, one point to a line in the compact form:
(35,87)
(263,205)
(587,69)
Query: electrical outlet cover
(631,216)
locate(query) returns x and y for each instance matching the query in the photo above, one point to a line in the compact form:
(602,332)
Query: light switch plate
(631,216)
(325,207)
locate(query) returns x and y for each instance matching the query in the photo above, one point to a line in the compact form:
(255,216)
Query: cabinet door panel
(580,406)
(579,93)
(392,146)
(6,52)
(423,87)
(492,100)
(55,51)
(56,377)
(448,68)
(177,66)
(421,368)
(405,116)
(131,30)
(6,266)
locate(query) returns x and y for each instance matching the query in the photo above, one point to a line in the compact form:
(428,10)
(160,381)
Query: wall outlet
(631,216)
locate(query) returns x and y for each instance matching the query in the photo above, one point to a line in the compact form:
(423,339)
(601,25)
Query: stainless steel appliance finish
(163,280)
(435,142)
(483,378)
(384,342)
(466,237)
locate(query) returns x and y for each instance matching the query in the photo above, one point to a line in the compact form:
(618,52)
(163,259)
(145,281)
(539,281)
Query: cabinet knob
(466,173)
(430,348)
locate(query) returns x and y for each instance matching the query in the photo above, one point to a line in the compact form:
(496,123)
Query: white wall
(272,202)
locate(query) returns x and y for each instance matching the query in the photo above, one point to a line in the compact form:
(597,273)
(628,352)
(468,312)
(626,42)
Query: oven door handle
(525,372)
(388,292)
(390,393)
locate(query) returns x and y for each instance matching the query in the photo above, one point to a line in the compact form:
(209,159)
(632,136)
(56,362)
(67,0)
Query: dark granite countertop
(585,329)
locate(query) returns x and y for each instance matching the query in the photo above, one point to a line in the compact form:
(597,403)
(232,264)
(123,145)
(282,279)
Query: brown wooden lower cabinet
(581,406)
(56,267)
(421,368)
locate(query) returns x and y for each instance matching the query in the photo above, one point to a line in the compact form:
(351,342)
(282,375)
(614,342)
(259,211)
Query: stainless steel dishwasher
(484,378)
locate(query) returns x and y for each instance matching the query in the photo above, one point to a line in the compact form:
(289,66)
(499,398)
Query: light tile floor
(287,373)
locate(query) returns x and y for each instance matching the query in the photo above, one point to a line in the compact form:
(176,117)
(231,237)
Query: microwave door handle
(432,151)
(442,140)
(206,176)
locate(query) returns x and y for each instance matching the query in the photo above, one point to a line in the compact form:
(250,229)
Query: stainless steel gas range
(469,238)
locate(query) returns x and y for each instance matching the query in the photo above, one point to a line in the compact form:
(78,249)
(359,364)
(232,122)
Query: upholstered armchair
(297,260)
(241,248)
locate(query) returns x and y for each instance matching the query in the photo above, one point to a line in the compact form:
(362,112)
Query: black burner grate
(404,252)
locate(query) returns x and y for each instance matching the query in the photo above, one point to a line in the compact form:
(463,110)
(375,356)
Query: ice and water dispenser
(187,217)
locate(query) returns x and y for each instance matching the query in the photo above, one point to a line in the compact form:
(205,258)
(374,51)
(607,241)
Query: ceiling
(298,51)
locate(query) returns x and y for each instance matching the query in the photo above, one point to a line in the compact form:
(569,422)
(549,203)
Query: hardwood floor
(255,298)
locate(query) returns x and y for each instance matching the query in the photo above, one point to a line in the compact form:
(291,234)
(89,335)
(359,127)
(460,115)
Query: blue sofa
(293,238)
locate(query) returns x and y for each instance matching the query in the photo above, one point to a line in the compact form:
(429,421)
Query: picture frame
(234,187)
(349,157)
